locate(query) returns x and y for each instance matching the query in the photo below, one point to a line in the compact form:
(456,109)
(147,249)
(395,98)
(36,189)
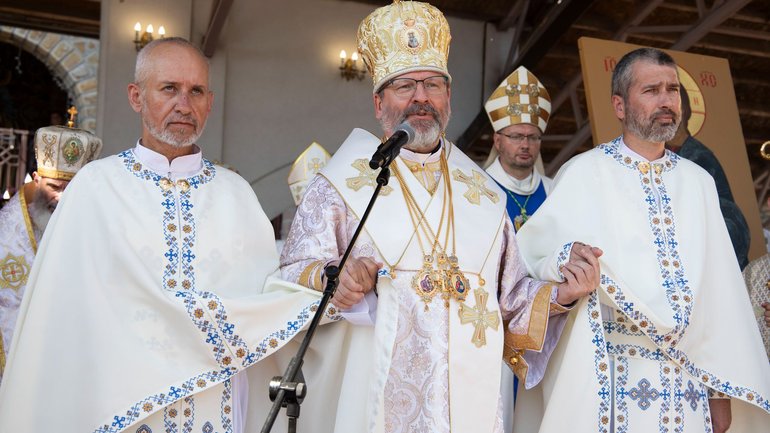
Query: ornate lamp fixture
(349,66)
(143,38)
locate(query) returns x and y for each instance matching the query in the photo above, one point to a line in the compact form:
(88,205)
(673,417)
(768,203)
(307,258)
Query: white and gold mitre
(403,37)
(520,98)
(305,167)
(61,151)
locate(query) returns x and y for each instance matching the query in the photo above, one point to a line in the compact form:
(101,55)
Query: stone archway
(73,60)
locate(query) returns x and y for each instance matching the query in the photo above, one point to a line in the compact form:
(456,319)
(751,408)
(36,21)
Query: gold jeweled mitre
(63,150)
(403,37)
(520,98)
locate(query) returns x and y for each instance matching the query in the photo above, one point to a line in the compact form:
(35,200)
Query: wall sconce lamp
(143,38)
(349,66)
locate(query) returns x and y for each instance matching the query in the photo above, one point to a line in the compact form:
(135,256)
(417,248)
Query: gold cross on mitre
(476,186)
(480,317)
(315,165)
(72,112)
(366,177)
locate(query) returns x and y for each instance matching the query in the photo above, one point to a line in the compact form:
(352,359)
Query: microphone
(387,151)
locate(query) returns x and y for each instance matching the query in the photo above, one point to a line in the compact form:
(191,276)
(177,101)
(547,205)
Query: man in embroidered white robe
(436,344)
(60,152)
(669,333)
(519,110)
(145,309)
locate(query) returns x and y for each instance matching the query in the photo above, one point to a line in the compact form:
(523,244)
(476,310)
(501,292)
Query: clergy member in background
(688,147)
(305,167)
(668,342)
(435,285)
(60,153)
(518,110)
(145,306)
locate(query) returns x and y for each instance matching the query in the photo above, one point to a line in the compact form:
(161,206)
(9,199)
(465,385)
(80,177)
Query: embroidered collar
(175,174)
(618,150)
(180,167)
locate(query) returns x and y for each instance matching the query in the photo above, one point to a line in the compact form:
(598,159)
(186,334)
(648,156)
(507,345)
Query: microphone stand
(289,390)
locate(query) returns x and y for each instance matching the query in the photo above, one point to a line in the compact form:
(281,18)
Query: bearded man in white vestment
(146,304)
(60,152)
(438,247)
(668,342)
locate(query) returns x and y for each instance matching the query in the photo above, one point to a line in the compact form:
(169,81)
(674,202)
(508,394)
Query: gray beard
(651,130)
(426,136)
(426,132)
(169,137)
(39,214)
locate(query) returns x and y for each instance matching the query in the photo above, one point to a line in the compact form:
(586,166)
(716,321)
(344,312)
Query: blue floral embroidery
(692,396)
(678,402)
(621,405)
(644,393)
(665,405)
(601,364)
(227,407)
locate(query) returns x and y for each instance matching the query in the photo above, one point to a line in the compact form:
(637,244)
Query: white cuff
(363,313)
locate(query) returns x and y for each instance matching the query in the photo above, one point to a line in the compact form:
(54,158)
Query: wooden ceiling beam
(711,20)
(543,38)
(216,24)
(81,20)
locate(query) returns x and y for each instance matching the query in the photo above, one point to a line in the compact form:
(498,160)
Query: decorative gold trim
(508,111)
(476,186)
(558,309)
(27,220)
(480,317)
(2,356)
(517,364)
(538,321)
(55,174)
(366,177)
(307,278)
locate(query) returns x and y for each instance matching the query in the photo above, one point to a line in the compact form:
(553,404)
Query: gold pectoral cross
(480,317)
(476,187)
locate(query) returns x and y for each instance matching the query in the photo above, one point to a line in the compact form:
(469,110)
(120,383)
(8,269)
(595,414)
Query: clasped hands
(357,278)
(581,273)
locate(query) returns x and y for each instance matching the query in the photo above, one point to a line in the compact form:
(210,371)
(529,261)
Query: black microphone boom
(387,151)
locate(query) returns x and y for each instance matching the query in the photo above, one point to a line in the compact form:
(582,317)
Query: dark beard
(39,214)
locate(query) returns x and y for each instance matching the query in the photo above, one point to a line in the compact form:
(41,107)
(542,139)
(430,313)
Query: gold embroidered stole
(478,221)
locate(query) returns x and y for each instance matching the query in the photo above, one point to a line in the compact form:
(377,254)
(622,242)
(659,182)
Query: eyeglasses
(405,87)
(519,138)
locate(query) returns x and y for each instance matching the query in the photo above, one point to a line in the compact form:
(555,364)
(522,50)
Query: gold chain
(440,272)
